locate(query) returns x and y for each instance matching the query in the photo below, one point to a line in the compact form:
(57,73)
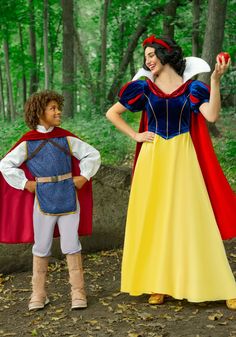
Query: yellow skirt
(172,242)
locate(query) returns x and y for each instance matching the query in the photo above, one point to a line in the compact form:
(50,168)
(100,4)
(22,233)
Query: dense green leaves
(124,18)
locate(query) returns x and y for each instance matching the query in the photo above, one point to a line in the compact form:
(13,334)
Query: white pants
(44,228)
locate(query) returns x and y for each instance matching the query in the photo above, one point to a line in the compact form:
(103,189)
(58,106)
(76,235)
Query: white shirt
(89,157)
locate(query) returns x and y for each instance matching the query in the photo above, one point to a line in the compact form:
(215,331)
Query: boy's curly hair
(36,104)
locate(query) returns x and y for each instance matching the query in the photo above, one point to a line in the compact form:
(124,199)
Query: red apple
(225,55)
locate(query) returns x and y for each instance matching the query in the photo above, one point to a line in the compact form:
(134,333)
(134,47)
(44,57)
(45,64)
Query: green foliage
(123,18)
(118,149)
(10,133)
(115,147)
(225,146)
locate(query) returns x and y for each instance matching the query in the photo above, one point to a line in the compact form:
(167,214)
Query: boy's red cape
(222,197)
(16,206)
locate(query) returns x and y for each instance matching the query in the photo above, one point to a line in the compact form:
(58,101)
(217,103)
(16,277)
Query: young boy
(43,162)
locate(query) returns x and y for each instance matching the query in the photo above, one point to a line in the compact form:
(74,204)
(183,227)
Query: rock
(111,187)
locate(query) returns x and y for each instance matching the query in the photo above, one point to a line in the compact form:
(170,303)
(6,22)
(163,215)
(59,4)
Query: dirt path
(110,313)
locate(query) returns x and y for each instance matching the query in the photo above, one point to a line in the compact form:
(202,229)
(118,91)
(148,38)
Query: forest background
(88,49)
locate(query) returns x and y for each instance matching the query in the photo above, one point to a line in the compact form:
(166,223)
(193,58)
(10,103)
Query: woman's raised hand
(220,68)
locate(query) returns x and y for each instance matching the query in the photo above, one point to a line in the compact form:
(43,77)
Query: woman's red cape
(222,197)
(16,206)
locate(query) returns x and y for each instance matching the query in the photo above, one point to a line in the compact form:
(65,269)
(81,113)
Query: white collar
(194,66)
(42,129)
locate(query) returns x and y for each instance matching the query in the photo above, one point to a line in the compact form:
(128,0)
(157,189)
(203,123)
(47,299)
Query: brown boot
(38,297)
(76,280)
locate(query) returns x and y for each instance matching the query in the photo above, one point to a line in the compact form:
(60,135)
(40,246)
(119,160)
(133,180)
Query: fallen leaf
(58,311)
(195,311)
(92,322)
(210,326)
(58,318)
(145,316)
(215,316)
(223,323)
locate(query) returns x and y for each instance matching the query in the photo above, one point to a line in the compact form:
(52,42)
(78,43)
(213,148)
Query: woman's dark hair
(174,56)
(35,106)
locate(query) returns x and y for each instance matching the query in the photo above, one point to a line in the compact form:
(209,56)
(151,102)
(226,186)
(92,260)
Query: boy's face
(51,116)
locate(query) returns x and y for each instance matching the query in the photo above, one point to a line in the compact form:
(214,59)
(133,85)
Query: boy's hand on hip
(30,186)
(79,181)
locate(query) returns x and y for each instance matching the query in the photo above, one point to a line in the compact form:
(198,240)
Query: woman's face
(152,61)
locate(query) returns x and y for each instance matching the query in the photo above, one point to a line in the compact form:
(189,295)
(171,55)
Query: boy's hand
(30,186)
(79,181)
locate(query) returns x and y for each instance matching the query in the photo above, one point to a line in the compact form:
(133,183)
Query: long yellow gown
(172,242)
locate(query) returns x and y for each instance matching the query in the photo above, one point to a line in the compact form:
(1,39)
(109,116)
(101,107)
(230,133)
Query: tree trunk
(2,103)
(169,17)
(45,45)
(24,84)
(84,66)
(213,41)
(132,67)
(33,71)
(121,33)
(195,32)
(133,41)
(68,56)
(9,82)
(53,45)
(102,80)
(214,34)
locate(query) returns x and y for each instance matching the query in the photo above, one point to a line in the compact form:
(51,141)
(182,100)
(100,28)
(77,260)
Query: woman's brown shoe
(155,299)
(231,304)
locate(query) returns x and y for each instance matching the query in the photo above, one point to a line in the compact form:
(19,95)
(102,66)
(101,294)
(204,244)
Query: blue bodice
(54,197)
(168,115)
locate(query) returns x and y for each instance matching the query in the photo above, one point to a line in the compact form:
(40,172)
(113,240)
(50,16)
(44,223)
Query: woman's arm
(114,116)
(211,109)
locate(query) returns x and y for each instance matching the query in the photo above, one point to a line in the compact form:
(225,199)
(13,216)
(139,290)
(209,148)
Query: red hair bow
(152,39)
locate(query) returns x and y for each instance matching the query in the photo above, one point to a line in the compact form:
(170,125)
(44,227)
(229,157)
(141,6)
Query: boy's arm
(9,166)
(88,156)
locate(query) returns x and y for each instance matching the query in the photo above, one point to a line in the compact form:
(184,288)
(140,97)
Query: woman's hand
(220,68)
(30,186)
(146,136)
(211,109)
(79,181)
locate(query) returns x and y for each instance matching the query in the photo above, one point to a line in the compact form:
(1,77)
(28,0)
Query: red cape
(16,206)
(222,197)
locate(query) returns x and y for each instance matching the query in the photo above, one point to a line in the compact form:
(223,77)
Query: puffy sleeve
(199,94)
(133,95)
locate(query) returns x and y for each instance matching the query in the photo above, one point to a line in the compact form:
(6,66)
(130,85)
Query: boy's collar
(41,128)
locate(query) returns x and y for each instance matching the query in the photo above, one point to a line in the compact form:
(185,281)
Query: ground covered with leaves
(109,313)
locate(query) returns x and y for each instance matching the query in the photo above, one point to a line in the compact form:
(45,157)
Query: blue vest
(49,160)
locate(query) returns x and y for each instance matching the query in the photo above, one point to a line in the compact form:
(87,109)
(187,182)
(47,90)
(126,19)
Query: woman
(172,242)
